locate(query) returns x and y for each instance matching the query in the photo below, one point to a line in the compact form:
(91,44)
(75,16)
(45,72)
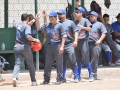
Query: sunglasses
(60,14)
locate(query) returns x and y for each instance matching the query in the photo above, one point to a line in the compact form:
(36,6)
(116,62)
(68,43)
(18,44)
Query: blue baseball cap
(81,9)
(53,13)
(118,15)
(94,13)
(62,11)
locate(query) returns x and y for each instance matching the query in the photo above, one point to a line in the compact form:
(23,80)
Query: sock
(79,69)
(75,72)
(64,73)
(108,55)
(88,65)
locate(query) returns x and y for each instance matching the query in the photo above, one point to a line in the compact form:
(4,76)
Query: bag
(95,7)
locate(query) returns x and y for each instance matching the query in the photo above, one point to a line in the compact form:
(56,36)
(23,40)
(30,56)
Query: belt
(91,42)
(81,39)
(19,43)
(66,43)
(54,43)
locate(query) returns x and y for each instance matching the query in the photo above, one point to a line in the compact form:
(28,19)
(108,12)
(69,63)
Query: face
(106,19)
(77,3)
(31,17)
(93,18)
(78,14)
(118,19)
(52,19)
(61,16)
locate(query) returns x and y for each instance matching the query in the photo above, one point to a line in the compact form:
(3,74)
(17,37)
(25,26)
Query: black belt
(54,43)
(66,43)
(91,42)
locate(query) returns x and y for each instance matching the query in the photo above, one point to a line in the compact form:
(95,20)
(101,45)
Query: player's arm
(44,15)
(63,34)
(117,33)
(88,25)
(103,31)
(75,30)
(28,35)
(44,37)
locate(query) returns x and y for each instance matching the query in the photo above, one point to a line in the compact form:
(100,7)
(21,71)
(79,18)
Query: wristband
(33,20)
(44,40)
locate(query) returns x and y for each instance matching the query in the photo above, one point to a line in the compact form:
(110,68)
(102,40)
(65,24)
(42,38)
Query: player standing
(82,50)
(96,36)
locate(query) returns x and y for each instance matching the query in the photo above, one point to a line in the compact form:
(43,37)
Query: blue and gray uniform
(94,35)
(22,49)
(82,50)
(54,36)
(69,52)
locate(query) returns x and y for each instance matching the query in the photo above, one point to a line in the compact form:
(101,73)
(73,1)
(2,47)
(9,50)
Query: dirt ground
(107,80)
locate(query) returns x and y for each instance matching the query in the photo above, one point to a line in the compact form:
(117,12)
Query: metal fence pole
(5,13)
(73,7)
(37,53)
(82,3)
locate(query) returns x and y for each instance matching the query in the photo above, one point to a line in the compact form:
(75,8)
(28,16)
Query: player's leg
(107,54)
(59,63)
(18,61)
(86,58)
(64,65)
(72,62)
(48,65)
(95,58)
(27,53)
(79,60)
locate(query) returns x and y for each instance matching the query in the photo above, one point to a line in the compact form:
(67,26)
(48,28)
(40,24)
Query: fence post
(82,3)
(5,13)
(73,7)
(37,53)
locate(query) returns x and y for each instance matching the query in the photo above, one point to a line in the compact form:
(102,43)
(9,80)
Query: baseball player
(55,39)
(96,35)
(71,42)
(22,49)
(82,50)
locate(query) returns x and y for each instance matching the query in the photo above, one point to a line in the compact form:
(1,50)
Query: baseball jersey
(53,33)
(81,32)
(116,28)
(69,27)
(97,29)
(21,31)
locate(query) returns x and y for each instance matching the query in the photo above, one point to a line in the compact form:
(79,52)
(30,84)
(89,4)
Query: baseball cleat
(91,78)
(44,83)
(111,64)
(14,82)
(34,84)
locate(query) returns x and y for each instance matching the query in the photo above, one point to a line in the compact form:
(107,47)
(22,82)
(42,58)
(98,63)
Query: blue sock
(88,65)
(108,55)
(75,72)
(79,69)
(64,73)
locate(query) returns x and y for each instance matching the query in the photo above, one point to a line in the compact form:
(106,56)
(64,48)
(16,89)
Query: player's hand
(97,42)
(61,49)
(37,40)
(75,44)
(37,17)
(44,14)
(82,27)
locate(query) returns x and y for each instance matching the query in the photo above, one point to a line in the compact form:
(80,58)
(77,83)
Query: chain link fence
(17,7)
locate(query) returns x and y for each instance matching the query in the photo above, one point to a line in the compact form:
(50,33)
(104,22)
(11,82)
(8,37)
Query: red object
(36,46)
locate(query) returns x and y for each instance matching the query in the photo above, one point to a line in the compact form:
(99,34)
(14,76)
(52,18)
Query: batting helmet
(36,46)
